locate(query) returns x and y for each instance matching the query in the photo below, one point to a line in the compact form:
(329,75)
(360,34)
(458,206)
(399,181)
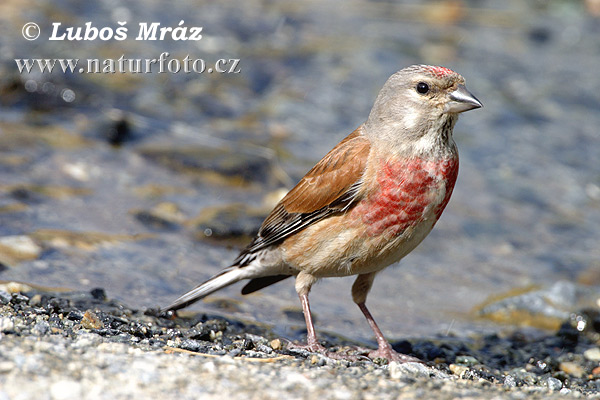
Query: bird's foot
(388,353)
(315,347)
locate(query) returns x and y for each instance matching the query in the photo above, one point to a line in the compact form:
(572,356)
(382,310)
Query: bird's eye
(422,87)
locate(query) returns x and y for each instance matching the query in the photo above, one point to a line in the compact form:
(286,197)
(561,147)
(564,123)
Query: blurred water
(526,209)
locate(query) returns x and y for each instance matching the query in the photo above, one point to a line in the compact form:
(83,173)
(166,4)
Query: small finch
(368,203)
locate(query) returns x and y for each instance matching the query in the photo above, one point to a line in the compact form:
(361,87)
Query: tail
(225,278)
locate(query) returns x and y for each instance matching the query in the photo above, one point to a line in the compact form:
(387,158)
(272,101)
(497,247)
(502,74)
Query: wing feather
(330,187)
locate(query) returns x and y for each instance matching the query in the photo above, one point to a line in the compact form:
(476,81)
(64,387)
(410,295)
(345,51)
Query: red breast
(408,192)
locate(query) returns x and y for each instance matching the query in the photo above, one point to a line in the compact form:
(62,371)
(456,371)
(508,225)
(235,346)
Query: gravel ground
(81,345)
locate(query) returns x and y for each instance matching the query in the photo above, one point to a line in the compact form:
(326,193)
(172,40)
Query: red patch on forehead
(439,72)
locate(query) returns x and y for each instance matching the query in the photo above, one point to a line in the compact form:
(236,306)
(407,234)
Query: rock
(91,321)
(6,324)
(592,354)
(5,297)
(82,240)
(466,360)
(458,370)
(41,328)
(510,381)
(541,308)
(66,389)
(230,163)
(571,368)
(553,384)
(411,369)
(16,249)
(15,287)
(233,223)
(276,344)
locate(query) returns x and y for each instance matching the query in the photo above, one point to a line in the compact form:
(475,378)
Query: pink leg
(385,349)
(311,337)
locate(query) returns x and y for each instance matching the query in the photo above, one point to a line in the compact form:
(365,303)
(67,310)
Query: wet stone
(154,222)
(15,249)
(466,360)
(233,223)
(164,216)
(544,308)
(235,166)
(98,294)
(119,132)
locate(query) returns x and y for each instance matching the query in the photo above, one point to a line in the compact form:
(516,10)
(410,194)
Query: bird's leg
(311,337)
(304,282)
(360,289)
(384,349)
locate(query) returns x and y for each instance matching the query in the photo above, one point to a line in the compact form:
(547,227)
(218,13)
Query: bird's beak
(461,100)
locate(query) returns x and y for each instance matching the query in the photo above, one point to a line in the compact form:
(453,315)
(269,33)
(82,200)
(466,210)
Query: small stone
(5,297)
(458,370)
(15,287)
(98,294)
(592,354)
(91,321)
(18,298)
(314,359)
(41,328)
(466,360)
(6,366)
(66,389)
(6,324)
(35,301)
(276,344)
(264,348)
(554,384)
(410,369)
(510,381)
(596,371)
(19,248)
(571,368)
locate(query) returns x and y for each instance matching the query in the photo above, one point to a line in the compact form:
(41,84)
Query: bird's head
(418,101)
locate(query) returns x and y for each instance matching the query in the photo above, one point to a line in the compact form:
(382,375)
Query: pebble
(66,389)
(6,324)
(21,247)
(91,321)
(510,381)
(592,354)
(571,368)
(5,297)
(410,369)
(554,384)
(6,366)
(466,360)
(458,370)
(276,344)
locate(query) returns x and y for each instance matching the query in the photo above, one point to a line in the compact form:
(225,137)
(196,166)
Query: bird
(368,203)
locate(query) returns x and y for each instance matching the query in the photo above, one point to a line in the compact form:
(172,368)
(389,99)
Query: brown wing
(328,188)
